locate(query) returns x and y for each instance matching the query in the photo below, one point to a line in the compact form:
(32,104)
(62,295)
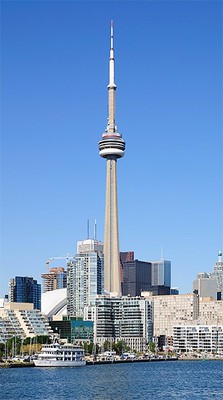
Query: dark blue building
(136,277)
(24,289)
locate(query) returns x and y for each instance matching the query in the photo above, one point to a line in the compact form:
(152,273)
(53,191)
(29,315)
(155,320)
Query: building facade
(136,277)
(124,256)
(218,275)
(85,277)
(201,338)
(55,279)
(127,319)
(161,273)
(24,289)
(210,311)
(172,310)
(22,320)
(205,286)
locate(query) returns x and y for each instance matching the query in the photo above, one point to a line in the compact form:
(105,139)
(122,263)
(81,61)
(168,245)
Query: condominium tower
(56,278)
(85,277)
(111,146)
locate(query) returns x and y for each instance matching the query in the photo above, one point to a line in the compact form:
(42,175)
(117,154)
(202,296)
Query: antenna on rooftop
(95,230)
(88,228)
(161,251)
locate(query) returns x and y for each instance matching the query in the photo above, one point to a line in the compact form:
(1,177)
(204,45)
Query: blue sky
(54,110)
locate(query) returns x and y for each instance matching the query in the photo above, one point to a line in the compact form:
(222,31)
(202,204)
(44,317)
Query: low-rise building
(201,338)
(22,320)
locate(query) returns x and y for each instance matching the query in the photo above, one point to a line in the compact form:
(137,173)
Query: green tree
(152,347)
(2,350)
(107,345)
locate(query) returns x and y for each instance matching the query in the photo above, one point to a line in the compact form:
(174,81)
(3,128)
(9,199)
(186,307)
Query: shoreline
(104,362)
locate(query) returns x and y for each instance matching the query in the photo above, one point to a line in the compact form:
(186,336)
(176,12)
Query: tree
(152,347)
(107,345)
(2,350)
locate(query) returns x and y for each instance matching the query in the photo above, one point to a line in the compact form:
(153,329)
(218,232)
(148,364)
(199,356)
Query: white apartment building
(21,320)
(203,338)
(127,319)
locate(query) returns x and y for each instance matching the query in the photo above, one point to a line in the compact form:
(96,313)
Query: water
(139,381)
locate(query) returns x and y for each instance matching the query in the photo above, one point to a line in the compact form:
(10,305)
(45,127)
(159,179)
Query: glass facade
(85,280)
(82,330)
(161,273)
(24,289)
(136,277)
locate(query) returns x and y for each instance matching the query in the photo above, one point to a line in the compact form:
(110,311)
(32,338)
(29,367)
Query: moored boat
(58,355)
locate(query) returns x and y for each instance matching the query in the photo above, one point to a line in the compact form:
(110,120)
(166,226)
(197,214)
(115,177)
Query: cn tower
(111,146)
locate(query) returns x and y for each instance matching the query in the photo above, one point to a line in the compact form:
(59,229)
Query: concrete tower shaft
(111,146)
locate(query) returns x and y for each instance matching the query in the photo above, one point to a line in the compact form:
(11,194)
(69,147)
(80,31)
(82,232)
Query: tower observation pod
(111,146)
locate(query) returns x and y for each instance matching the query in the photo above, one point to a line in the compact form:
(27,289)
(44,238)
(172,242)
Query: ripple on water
(162,380)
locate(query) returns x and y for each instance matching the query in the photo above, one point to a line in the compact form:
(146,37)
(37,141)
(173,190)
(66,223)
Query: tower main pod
(111,147)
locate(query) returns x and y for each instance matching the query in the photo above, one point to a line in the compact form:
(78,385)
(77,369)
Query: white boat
(58,355)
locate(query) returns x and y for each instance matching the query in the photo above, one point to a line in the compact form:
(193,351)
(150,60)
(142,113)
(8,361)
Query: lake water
(139,381)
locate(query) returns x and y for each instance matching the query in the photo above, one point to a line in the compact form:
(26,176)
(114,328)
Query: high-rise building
(24,289)
(136,277)
(85,277)
(205,286)
(161,273)
(55,279)
(111,146)
(88,245)
(218,275)
(124,256)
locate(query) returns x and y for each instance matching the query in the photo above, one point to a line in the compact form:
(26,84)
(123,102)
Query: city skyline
(54,71)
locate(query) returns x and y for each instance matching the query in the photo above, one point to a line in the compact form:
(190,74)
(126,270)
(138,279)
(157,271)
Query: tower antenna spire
(112,34)
(111,126)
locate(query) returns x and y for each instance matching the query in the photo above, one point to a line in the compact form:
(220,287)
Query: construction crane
(67,257)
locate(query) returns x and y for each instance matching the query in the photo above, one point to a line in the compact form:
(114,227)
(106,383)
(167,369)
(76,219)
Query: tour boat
(58,355)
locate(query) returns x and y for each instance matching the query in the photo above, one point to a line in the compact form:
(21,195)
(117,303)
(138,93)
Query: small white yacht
(58,355)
